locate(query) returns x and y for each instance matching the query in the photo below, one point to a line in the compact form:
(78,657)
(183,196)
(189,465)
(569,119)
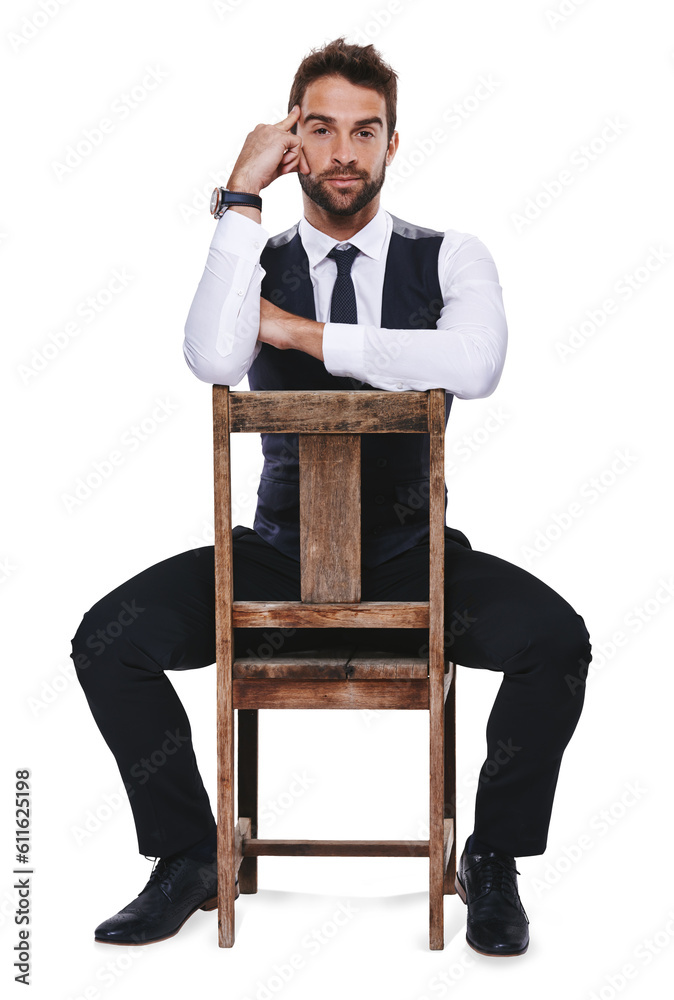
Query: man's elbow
(203,368)
(484,385)
(480,380)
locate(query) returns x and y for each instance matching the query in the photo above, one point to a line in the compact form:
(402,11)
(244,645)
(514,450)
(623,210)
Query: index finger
(288,122)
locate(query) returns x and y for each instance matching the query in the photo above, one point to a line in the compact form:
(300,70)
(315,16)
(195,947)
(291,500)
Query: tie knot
(344,258)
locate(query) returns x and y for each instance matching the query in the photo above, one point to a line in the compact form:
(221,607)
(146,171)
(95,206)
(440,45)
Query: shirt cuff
(236,233)
(344,349)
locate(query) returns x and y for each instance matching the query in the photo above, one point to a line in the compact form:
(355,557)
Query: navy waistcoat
(394,467)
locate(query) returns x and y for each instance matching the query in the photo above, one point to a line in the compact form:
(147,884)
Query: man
(349,297)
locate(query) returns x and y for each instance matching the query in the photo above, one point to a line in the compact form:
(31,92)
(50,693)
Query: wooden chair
(329,425)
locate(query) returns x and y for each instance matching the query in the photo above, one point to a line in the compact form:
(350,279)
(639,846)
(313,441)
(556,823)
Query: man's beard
(343,202)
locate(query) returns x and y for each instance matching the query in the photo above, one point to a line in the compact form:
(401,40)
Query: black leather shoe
(497,923)
(178,886)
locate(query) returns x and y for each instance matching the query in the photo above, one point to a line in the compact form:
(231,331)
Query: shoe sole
(208,904)
(461,892)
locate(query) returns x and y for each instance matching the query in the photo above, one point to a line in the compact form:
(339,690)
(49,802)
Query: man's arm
(222,327)
(286,330)
(465,354)
(223,323)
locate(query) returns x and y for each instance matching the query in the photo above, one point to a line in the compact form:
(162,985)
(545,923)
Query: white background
(138,203)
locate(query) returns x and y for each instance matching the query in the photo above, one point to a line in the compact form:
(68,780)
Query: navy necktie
(343,305)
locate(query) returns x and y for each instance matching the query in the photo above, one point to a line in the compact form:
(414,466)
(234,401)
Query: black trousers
(497,617)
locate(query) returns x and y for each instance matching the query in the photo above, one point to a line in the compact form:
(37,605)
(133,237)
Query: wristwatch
(223,198)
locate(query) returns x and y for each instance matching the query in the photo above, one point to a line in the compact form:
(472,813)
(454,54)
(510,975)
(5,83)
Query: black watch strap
(222,199)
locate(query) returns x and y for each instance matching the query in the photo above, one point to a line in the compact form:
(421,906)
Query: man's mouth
(343,181)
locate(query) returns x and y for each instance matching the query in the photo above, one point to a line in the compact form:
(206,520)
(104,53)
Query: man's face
(343,132)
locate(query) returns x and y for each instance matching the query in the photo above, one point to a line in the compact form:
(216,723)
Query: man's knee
(78,653)
(561,646)
(102,631)
(578,656)
(569,637)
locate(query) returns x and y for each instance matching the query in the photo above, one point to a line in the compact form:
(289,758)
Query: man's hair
(361,65)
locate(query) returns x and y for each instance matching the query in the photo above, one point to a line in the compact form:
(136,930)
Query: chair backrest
(329,424)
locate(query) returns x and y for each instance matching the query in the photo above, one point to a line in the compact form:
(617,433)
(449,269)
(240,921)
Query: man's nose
(344,154)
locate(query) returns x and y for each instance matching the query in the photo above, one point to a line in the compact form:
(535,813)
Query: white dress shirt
(464,354)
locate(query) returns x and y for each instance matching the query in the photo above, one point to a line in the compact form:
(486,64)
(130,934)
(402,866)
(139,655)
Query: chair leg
(248,788)
(225,835)
(450,777)
(436,858)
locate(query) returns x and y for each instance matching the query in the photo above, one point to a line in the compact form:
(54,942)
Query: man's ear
(392,148)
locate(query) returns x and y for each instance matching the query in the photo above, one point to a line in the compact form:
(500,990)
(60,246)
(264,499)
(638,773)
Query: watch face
(215,201)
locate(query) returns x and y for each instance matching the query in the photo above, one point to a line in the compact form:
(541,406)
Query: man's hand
(284,330)
(268,152)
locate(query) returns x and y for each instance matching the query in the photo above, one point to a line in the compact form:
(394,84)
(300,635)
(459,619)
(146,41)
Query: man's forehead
(336,99)
(332,120)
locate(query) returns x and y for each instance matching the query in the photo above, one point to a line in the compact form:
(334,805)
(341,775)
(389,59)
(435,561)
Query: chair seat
(330,663)
(332,677)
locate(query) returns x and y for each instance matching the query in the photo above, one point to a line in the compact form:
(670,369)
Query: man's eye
(322,128)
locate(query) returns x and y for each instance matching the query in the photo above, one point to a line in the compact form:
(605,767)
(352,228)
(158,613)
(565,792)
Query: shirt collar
(369,240)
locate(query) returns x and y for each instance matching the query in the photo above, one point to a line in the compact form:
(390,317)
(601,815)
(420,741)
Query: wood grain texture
(436,672)
(291,667)
(333,677)
(295,614)
(392,667)
(263,692)
(337,848)
(330,411)
(346,667)
(223,652)
(329,518)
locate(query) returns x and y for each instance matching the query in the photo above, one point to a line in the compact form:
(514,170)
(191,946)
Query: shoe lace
(162,869)
(165,868)
(494,872)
